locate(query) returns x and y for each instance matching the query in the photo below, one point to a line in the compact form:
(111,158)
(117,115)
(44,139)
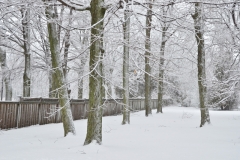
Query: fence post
(18,114)
(39,111)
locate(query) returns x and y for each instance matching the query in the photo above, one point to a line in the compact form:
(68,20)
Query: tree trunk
(161,63)
(6,76)
(8,88)
(198,25)
(104,94)
(109,85)
(58,80)
(52,93)
(94,124)
(84,59)
(148,109)
(126,38)
(80,79)
(26,46)
(66,51)
(161,75)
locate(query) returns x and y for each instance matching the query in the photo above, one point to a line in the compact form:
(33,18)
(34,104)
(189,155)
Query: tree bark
(126,38)
(104,94)
(199,30)
(66,52)
(66,47)
(80,79)
(26,46)
(6,76)
(161,75)
(109,85)
(161,63)
(148,109)
(94,124)
(58,80)
(84,59)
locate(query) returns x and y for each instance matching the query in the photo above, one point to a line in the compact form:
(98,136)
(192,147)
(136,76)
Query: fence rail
(41,111)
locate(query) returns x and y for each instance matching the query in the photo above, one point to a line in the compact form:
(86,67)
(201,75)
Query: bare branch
(75,6)
(233,15)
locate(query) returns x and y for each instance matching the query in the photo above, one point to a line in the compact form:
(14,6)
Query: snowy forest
(184,51)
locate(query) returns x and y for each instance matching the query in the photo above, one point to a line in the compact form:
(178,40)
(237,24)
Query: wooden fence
(40,111)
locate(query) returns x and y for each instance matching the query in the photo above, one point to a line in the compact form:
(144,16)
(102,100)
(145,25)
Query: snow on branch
(172,2)
(74,5)
(212,3)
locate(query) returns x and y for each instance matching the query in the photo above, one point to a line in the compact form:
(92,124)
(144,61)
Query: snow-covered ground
(173,135)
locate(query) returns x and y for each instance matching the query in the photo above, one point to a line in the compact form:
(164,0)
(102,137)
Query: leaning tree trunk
(161,64)
(94,124)
(66,52)
(26,46)
(126,38)
(58,80)
(66,47)
(6,76)
(198,25)
(148,109)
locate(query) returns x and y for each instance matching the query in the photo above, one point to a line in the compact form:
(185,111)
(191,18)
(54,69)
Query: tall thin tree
(161,59)
(59,80)
(148,109)
(66,50)
(199,31)
(126,38)
(25,11)
(6,79)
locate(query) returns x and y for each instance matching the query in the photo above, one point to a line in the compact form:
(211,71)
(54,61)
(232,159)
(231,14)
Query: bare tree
(59,79)
(126,38)
(84,42)
(97,10)
(66,51)
(94,128)
(199,31)
(44,43)
(25,11)
(5,76)
(164,29)
(148,109)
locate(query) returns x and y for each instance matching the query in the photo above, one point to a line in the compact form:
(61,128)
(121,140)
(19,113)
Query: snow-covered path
(173,135)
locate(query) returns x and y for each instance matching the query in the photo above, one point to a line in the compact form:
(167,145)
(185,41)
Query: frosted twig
(55,111)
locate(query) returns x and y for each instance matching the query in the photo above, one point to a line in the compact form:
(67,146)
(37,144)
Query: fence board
(1,115)
(4,125)
(13,111)
(106,109)
(21,116)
